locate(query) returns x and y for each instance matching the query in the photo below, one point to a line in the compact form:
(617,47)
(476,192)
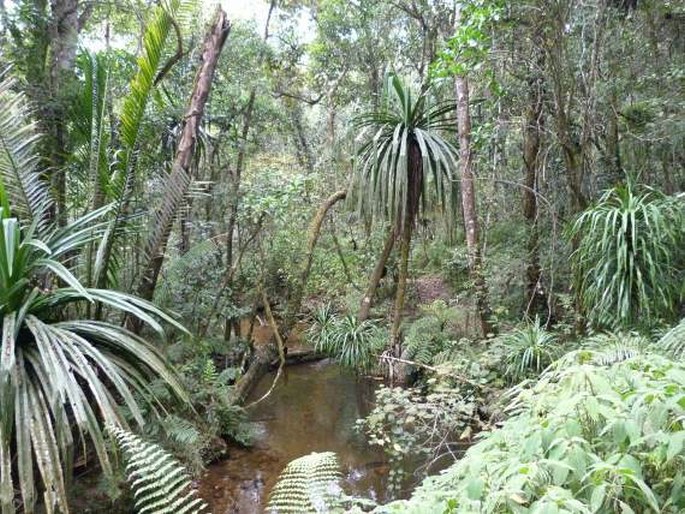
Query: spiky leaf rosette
(160,484)
(390,183)
(309,484)
(627,261)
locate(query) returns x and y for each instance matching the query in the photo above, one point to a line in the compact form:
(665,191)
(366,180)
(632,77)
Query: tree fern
(160,484)
(309,484)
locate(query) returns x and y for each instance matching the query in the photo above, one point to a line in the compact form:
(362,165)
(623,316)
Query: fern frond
(160,484)
(612,347)
(309,484)
(673,341)
(21,184)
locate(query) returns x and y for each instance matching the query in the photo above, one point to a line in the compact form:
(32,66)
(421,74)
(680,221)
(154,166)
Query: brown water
(313,408)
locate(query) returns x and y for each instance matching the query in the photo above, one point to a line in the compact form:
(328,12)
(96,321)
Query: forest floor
(431,288)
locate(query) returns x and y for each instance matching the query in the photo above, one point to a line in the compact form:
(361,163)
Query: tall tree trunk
(179,180)
(375,278)
(532,161)
(236,177)
(468,202)
(63,29)
(400,295)
(404,229)
(302,149)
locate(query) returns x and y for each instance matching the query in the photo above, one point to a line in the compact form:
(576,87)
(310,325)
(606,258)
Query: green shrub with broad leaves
(415,427)
(598,433)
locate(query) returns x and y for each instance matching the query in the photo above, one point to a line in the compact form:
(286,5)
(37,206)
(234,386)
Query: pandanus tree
(402,160)
(629,260)
(62,377)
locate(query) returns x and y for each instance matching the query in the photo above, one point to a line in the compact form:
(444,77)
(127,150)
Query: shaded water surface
(313,408)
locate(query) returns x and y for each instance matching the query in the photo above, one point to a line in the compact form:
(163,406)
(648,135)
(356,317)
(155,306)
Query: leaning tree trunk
(376,275)
(468,201)
(314,231)
(178,182)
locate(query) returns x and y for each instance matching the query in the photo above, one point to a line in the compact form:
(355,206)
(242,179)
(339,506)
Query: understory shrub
(415,428)
(628,263)
(595,434)
(355,344)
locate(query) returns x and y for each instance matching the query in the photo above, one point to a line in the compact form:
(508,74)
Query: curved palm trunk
(374,280)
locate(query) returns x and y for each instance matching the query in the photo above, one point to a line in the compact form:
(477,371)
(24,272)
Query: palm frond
(624,264)
(121,182)
(90,124)
(388,183)
(60,380)
(355,344)
(21,183)
(532,349)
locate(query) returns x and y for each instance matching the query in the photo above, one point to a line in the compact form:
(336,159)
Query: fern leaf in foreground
(309,484)
(160,484)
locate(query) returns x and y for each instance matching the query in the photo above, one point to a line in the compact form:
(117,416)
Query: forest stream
(313,408)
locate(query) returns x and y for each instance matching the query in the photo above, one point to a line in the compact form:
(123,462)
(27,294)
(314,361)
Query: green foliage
(626,260)
(467,48)
(531,349)
(432,334)
(355,344)
(309,484)
(160,484)
(413,426)
(61,377)
(585,438)
(118,187)
(194,286)
(673,341)
(387,185)
(196,434)
(20,182)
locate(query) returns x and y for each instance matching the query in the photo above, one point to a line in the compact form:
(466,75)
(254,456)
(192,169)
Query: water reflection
(313,408)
